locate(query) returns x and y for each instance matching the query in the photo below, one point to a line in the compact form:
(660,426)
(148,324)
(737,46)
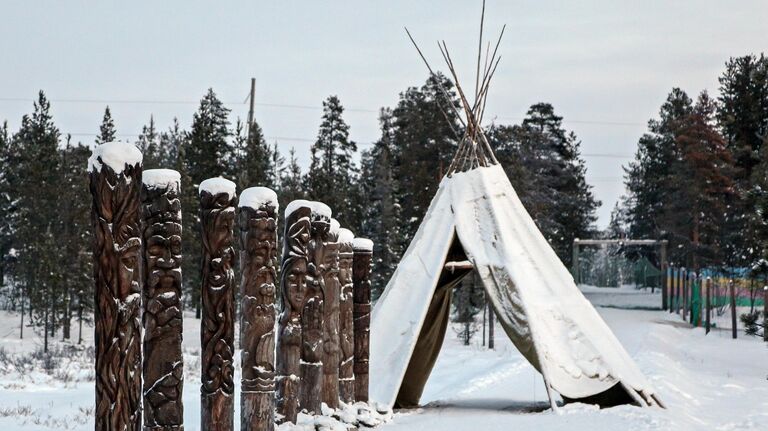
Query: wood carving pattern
(346,322)
(313,316)
(361,272)
(293,290)
(163,361)
(116,251)
(217,217)
(258,260)
(331,323)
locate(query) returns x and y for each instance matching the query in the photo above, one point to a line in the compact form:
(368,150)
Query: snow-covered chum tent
(477,222)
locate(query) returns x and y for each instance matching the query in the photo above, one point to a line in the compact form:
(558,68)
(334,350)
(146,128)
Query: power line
(284,106)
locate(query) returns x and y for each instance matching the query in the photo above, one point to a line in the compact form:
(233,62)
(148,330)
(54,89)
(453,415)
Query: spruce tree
(291,181)
(425,133)
(696,200)
(37,187)
(378,201)
(253,158)
(107,131)
(332,171)
(149,144)
(7,206)
(209,149)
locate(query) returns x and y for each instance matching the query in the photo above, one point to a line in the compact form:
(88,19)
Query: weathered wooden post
(257,232)
(733,308)
(692,292)
(361,278)
(685,294)
(163,360)
(765,313)
(313,313)
(114,171)
(331,321)
(217,333)
(709,304)
(664,274)
(346,318)
(293,291)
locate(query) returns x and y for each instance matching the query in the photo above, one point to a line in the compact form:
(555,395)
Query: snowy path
(711,383)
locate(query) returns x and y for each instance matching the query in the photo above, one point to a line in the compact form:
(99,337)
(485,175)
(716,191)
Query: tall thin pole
(733,308)
(217,332)
(115,187)
(163,359)
(257,233)
(251,101)
(709,304)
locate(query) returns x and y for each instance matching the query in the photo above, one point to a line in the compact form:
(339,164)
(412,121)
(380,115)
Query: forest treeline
(381,193)
(700,176)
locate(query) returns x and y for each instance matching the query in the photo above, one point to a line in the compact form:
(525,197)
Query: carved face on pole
(294,271)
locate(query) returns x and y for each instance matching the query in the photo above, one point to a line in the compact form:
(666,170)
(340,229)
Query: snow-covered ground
(708,382)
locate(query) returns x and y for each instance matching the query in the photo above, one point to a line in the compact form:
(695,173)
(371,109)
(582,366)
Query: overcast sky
(606,66)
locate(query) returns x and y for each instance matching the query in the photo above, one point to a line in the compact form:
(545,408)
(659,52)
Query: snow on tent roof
(294,205)
(257,197)
(161,178)
(116,155)
(218,185)
(346,236)
(321,209)
(363,244)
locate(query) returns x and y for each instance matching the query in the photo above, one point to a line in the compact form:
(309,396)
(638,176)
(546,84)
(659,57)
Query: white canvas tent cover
(534,296)
(532,293)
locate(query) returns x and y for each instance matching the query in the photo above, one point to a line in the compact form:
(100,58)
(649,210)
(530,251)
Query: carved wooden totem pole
(163,361)
(361,273)
(293,290)
(114,171)
(217,333)
(346,319)
(331,324)
(257,223)
(312,316)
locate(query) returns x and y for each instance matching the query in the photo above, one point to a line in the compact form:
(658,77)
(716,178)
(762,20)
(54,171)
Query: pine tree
(7,205)
(649,176)
(743,117)
(107,131)
(695,202)
(291,181)
(73,236)
(378,201)
(332,171)
(544,164)
(425,133)
(37,188)
(149,144)
(253,158)
(209,148)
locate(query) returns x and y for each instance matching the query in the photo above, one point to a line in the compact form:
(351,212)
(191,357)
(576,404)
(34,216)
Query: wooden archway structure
(660,243)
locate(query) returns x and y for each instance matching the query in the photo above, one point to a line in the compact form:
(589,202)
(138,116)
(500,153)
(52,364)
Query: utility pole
(251,101)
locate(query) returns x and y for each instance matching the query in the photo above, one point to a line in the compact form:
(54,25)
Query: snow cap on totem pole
(321,210)
(294,205)
(161,179)
(258,197)
(218,185)
(346,236)
(362,244)
(116,155)
(335,226)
